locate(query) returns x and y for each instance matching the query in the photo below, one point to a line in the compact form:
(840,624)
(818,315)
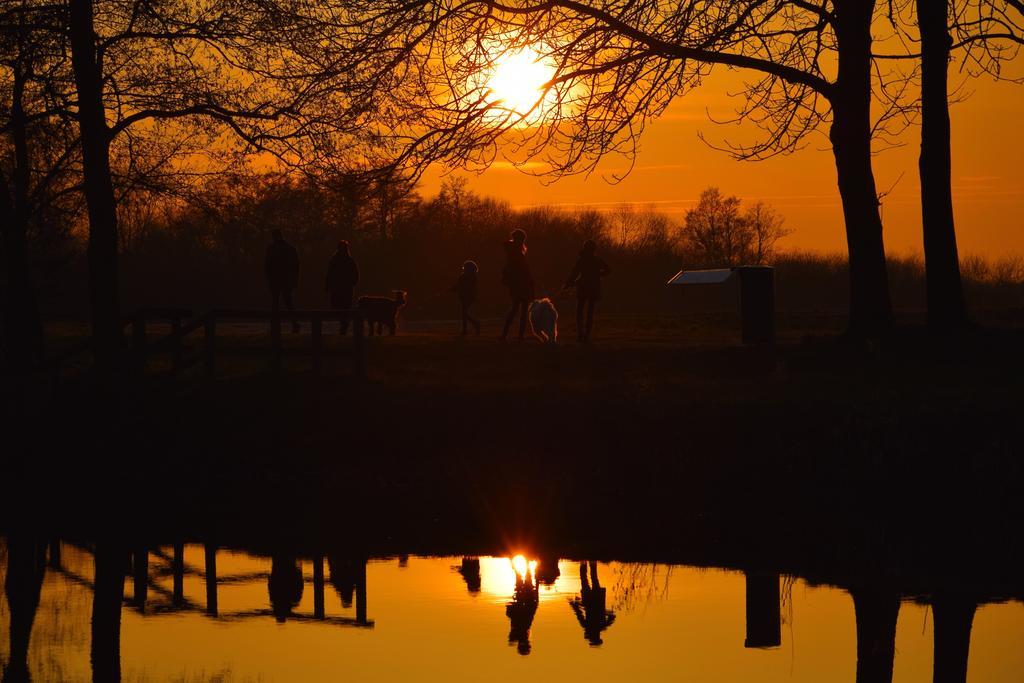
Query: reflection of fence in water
(147,580)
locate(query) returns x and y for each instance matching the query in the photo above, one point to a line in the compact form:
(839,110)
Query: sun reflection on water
(498,578)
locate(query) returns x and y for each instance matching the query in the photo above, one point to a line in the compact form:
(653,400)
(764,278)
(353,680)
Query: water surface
(285,618)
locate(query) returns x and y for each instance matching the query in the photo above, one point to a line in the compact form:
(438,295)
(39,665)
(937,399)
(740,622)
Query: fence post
(176,342)
(316,329)
(139,332)
(211,578)
(275,341)
(318,587)
(210,329)
(358,346)
(139,340)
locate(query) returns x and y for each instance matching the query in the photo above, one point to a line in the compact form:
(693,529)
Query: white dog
(544,320)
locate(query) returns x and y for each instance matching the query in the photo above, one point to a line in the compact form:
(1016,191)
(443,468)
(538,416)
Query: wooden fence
(183,324)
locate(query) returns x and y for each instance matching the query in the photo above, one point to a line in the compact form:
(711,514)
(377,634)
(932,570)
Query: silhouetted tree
(946,305)
(984,35)
(37,151)
(954,616)
(391,197)
(26,568)
(767,226)
(618,64)
(716,229)
(720,233)
(876,610)
(227,78)
(639,229)
(108,595)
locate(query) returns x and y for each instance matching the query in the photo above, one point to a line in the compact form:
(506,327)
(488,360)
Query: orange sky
(674,166)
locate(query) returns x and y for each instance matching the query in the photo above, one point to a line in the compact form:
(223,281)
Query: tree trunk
(870,307)
(26,568)
(107,597)
(23,330)
(876,611)
(954,615)
(946,306)
(99,188)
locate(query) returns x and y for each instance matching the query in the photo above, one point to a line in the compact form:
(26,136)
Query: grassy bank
(649,439)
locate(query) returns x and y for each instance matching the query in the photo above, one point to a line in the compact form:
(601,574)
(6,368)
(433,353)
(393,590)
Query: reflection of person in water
(521,610)
(590,606)
(548,571)
(343,578)
(470,571)
(285,586)
(348,576)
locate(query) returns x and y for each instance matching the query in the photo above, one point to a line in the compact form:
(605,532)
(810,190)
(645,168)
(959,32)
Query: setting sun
(517,81)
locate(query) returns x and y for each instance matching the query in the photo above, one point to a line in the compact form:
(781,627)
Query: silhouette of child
(467,287)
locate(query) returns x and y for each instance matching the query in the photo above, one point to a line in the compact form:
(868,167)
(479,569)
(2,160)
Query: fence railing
(183,324)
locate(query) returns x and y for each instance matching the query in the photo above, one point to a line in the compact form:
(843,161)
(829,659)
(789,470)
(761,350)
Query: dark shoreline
(818,459)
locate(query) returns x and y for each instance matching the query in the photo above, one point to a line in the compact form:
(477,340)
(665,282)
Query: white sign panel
(701,277)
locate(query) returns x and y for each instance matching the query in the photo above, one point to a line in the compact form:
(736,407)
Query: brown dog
(381,310)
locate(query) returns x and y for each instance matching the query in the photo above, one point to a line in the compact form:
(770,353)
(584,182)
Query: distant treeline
(207,251)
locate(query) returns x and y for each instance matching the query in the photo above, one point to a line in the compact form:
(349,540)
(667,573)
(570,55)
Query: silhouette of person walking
(284,586)
(586,278)
(282,269)
(521,611)
(467,287)
(342,278)
(516,276)
(590,606)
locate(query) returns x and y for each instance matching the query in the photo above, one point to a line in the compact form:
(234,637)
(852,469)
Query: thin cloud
(525,166)
(650,167)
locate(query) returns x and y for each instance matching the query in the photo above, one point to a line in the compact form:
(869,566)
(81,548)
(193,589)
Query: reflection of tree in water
(26,567)
(590,607)
(787,599)
(521,610)
(638,584)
